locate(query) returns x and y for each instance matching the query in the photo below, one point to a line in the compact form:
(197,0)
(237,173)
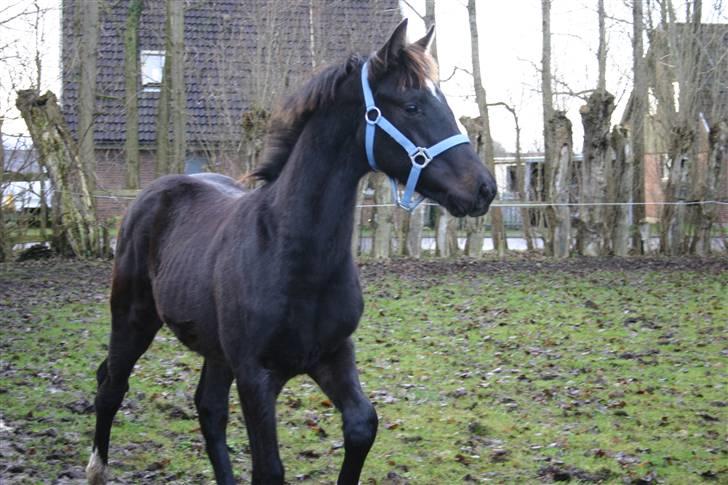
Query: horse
(262,283)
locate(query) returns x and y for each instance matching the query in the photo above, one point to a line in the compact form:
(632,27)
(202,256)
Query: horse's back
(179,196)
(173,208)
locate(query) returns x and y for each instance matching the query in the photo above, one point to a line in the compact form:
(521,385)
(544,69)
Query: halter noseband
(419,156)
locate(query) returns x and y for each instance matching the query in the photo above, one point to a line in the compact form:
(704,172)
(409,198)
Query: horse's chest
(307,330)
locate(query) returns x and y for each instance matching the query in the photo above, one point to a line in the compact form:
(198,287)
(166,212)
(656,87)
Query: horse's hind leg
(134,322)
(211,400)
(339,379)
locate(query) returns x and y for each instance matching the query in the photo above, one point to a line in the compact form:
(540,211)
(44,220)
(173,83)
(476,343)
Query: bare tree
(619,175)
(547,101)
(712,178)
(4,250)
(639,110)
(592,183)
(356,233)
(558,214)
(474,225)
(523,193)
(87,15)
(131,77)
(383,217)
(77,230)
(178,96)
(446,243)
(163,164)
(686,56)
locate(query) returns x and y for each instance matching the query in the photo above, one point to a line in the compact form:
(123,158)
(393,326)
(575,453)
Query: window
(152,67)
(195,164)
(512,179)
(651,102)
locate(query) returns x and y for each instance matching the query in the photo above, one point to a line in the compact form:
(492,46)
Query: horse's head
(402,79)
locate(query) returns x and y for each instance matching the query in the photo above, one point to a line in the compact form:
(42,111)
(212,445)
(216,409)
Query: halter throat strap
(420,157)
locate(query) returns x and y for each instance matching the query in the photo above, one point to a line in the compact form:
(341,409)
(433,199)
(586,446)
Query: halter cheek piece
(419,156)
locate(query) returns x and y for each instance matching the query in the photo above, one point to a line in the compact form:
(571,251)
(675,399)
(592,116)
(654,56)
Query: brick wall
(111,198)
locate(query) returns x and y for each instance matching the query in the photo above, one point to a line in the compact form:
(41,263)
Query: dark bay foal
(262,284)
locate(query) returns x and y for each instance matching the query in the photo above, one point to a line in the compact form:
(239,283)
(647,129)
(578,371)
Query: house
(665,96)
(24,184)
(240,57)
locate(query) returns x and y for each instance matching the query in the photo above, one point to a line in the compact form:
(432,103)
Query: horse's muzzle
(485,196)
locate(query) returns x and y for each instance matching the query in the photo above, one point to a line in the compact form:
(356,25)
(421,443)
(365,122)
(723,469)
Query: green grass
(612,375)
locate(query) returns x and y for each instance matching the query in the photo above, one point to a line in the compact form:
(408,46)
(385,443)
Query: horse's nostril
(488,190)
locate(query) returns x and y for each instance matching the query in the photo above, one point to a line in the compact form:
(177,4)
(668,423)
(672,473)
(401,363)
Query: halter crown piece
(419,156)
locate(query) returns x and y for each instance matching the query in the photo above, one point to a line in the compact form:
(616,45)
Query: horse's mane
(415,65)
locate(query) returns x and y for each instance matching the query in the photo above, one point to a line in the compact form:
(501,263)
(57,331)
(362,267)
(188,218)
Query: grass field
(609,371)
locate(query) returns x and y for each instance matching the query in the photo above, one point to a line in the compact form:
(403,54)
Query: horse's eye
(411,108)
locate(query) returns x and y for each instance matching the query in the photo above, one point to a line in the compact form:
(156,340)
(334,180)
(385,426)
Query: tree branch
(454,71)
(422,17)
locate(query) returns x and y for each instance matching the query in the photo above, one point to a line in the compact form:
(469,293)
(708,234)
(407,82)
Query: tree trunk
(4,246)
(639,110)
(559,216)
(596,118)
(496,216)
(413,236)
(602,50)
(445,228)
(521,184)
(178,101)
(131,76)
(163,164)
(89,25)
(57,152)
(683,151)
(672,229)
(547,102)
(383,215)
(619,189)
(356,233)
(717,158)
(43,212)
(475,226)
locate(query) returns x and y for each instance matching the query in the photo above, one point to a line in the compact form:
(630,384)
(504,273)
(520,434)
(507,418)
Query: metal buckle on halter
(420,152)
(374,110)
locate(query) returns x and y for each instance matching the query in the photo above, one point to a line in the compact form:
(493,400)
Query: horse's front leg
(258,389)
(211,400)
(339,379)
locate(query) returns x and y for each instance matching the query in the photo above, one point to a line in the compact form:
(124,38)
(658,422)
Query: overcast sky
(510,45)
(510,39)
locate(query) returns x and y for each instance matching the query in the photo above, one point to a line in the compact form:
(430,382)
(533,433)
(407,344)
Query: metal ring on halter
(376,111)
(421,152)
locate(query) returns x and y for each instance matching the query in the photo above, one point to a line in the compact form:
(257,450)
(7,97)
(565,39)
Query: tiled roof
(239,54)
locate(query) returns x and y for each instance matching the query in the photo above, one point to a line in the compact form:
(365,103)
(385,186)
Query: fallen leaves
(589,370)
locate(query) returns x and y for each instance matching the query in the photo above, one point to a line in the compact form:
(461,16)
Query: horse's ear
(426,41)
(391,50)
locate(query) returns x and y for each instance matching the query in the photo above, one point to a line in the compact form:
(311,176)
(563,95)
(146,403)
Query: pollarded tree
(77,231)
(596,119)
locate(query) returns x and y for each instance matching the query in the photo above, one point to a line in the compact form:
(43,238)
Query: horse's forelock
(415,66)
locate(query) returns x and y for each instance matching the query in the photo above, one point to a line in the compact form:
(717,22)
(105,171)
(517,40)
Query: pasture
(529,371)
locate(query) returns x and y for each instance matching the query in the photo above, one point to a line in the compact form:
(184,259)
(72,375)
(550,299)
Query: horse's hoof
(96,470)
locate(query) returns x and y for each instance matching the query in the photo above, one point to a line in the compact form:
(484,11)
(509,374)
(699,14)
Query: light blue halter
(419,156)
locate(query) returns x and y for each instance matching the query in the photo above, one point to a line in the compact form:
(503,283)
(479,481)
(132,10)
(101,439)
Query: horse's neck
(316,191)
